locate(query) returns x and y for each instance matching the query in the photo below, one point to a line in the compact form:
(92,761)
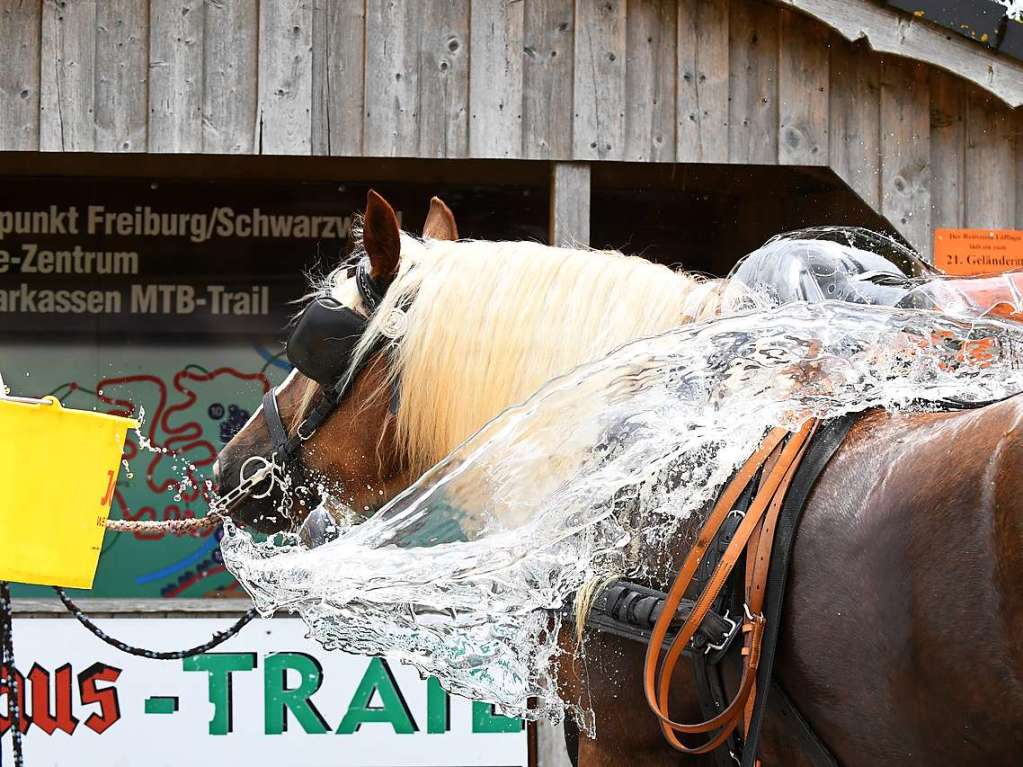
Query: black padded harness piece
(323,339)
(630,610)
(320,346)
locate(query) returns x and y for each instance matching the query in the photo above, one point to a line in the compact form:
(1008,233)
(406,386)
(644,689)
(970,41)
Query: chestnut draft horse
(902,636)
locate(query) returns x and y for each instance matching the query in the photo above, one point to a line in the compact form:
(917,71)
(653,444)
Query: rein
(755,534)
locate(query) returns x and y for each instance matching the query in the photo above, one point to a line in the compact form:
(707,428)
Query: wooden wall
(690,81)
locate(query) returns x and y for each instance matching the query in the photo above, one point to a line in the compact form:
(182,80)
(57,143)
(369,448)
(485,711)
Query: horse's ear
(440,222)
(381,237)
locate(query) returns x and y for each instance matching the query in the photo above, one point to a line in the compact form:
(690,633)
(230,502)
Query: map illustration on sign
(190,411)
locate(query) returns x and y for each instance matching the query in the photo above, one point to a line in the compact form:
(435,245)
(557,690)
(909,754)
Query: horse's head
(330,423)
(408,352)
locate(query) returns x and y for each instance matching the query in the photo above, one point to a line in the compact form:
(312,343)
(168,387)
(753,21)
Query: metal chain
(7,662)
(218,638)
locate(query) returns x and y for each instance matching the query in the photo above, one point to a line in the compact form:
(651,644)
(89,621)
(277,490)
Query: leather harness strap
(755,536)
(757,567)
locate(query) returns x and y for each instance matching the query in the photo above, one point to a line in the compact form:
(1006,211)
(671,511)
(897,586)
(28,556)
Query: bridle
(320,346)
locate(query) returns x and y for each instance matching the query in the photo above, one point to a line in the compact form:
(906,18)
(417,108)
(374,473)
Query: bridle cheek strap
(284,448)
(274,423)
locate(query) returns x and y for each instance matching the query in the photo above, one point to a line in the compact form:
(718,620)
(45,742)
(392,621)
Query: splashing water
(466,574)
(1013,8)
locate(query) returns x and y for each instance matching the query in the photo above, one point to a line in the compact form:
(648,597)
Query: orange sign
(978,251)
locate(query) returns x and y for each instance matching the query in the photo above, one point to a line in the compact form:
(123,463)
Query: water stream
(464,575)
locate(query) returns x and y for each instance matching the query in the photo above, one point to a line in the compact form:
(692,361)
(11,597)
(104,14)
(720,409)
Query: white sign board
(268,696)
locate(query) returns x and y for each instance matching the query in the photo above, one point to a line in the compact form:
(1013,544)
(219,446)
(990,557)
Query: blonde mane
(488,323)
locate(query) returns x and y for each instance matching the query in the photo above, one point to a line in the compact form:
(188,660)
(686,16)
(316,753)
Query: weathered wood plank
(803,88)
(753,83)
(128,608)
(319,121)
(854,107)
(285,77)
(176,76)
(890,31)
(230,53)
(339,28)
(122,58)
(948,151)
(1018,114)
(598,88)
(444,78)
(650,81)
(702,81)
(570,204)
(548,37)
(20,76)
(990,180)
(68,89)
(495,90)
(905,151)
(391,128)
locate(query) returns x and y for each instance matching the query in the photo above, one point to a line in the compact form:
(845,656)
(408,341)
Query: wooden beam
(570,204)
(339,69)
(1018,114)
(890,31)
(391,127)
(444,79)
(990,177)
(753,83)
(948,151)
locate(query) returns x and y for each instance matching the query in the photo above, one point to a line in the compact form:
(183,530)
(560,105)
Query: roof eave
(890,31)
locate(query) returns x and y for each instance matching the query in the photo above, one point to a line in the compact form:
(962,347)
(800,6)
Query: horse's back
(901,636)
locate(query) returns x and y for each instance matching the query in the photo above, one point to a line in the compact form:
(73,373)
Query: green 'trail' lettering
(393,711)
(220,666)
(278,699)
(438,708)
(484,719)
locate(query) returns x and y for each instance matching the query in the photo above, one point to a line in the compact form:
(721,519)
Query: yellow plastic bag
(58,470)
